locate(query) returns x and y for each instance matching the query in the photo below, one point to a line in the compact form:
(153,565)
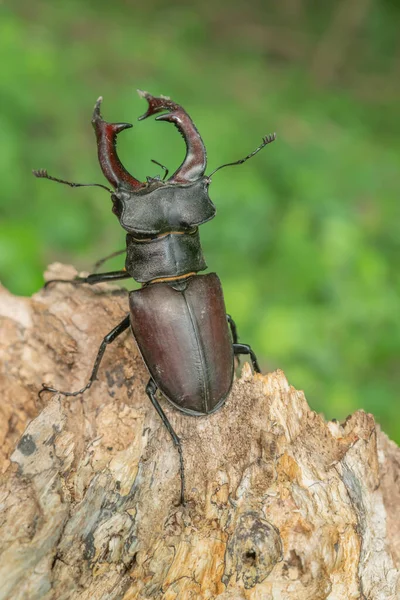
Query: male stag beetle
(177,317)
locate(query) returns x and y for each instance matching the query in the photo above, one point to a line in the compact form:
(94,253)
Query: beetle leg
(233,328)
(93,278)
(246,349)
(151,390)
(110,337)
(235,337)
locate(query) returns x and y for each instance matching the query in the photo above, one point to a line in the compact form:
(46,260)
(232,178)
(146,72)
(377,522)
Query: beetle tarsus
(151,390)
(48,388)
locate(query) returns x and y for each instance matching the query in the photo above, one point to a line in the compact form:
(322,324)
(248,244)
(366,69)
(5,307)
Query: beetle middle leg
(151,390)
(246,349)
(93,278)
(110,337)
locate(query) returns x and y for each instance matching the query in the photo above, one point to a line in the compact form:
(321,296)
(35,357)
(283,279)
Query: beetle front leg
(151,390)
(110,337)
(92,278)
(246,349)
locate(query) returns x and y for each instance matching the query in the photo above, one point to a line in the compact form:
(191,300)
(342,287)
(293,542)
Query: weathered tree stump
(281,504)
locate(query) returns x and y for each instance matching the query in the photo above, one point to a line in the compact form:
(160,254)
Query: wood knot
(253,550)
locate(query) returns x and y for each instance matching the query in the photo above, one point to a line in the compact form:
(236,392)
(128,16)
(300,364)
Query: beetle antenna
(98,264)
(166,171)
(266,140)
(42,174)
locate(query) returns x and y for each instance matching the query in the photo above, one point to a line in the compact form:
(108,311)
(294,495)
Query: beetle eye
(117,205)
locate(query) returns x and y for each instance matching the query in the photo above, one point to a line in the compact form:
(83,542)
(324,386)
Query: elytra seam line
(199,345)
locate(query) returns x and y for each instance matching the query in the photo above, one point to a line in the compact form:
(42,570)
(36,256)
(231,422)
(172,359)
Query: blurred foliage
(307,236)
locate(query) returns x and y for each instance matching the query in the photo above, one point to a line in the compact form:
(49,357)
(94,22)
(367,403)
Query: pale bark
(281,504)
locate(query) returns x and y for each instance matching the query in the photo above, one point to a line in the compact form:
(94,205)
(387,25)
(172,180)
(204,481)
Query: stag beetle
(177,317)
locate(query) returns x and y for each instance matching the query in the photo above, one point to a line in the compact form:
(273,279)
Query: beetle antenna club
(184,335)
(266,140)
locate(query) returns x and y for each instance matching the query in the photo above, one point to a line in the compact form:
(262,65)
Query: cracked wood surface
(281,504)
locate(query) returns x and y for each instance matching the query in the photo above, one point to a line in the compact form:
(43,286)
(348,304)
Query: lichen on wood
(280,503)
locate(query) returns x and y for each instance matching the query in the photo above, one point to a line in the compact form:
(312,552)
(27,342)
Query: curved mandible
(106,134)
(195,161)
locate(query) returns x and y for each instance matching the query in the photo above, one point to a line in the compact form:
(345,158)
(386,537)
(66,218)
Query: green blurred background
(307,236)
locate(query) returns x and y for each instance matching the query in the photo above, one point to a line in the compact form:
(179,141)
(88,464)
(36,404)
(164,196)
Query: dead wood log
(281,504)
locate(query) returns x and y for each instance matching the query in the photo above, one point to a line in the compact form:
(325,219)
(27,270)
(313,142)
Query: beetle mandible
(177,317)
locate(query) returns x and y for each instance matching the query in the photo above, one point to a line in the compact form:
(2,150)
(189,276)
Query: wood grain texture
(281,504)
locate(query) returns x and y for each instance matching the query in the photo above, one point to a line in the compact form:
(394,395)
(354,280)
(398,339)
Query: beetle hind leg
(246,349)
(151,390)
